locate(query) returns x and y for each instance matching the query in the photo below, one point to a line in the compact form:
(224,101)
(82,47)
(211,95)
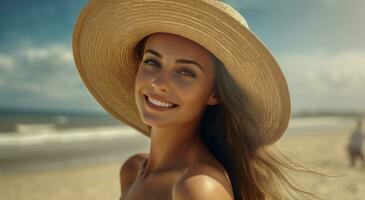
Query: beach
(80,165)
(81,177)
(325,153)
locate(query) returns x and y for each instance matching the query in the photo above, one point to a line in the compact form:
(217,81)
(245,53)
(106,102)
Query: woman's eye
(148,62)
(188,73)
(184,72)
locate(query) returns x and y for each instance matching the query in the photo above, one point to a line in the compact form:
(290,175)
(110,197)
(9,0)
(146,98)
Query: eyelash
(191,74)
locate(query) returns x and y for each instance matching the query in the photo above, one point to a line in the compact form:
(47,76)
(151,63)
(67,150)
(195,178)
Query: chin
(155,122)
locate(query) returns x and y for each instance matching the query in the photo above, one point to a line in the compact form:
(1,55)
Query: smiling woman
(207,92)
(167,79)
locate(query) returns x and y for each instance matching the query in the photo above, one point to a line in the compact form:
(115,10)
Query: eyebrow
(183,61)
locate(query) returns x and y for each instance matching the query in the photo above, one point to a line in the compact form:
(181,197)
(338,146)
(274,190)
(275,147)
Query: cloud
(324,81)
(42,75)
(6,62)
(55,51)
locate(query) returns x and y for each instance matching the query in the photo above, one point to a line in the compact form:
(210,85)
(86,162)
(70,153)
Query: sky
(319,45)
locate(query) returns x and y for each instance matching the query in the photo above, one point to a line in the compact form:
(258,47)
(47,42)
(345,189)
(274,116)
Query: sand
(326,153)
(86,182)
(323,152)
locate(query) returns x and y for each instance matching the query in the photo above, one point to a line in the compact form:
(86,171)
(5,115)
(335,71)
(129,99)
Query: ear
(213,99)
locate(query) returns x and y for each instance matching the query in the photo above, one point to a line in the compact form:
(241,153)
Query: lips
(156,107)
(160,98)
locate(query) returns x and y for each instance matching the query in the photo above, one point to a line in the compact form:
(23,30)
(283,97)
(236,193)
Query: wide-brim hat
(104,46)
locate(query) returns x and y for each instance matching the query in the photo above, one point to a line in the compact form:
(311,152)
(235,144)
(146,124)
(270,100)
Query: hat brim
(107,33)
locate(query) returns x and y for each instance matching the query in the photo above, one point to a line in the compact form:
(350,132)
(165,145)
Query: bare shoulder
(129,169)
(203,181)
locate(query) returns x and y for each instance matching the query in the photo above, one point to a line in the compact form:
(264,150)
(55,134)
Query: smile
(158,105)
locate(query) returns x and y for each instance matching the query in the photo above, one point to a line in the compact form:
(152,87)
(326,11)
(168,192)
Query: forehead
(176,46)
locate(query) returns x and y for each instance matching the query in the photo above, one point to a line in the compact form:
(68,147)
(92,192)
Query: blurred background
(57,142)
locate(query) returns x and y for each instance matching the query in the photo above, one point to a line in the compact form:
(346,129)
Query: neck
(172,148)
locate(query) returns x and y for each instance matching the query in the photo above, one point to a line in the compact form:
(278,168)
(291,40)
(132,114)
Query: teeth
(159,103)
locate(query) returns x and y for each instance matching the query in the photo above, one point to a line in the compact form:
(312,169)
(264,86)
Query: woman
(190,75)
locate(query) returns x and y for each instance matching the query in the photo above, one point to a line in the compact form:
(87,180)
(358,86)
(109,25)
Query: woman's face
(168,72)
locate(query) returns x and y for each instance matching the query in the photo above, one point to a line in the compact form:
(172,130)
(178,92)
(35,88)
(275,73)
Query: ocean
(31,128)
(11,120)
(38,142)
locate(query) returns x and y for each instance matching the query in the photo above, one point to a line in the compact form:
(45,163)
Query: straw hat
(107,32)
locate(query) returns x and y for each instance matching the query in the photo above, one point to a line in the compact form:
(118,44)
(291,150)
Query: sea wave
(76,134)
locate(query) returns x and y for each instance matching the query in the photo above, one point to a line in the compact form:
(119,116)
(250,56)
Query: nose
(160,82)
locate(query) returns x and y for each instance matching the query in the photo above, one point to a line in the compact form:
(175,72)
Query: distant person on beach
(192,77)
(356,144)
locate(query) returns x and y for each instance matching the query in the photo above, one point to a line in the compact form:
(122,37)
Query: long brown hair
(230,131)
(257,170)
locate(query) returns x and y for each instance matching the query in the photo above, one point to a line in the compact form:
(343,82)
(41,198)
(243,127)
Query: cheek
(143,75)
(194,93)
(140,77)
